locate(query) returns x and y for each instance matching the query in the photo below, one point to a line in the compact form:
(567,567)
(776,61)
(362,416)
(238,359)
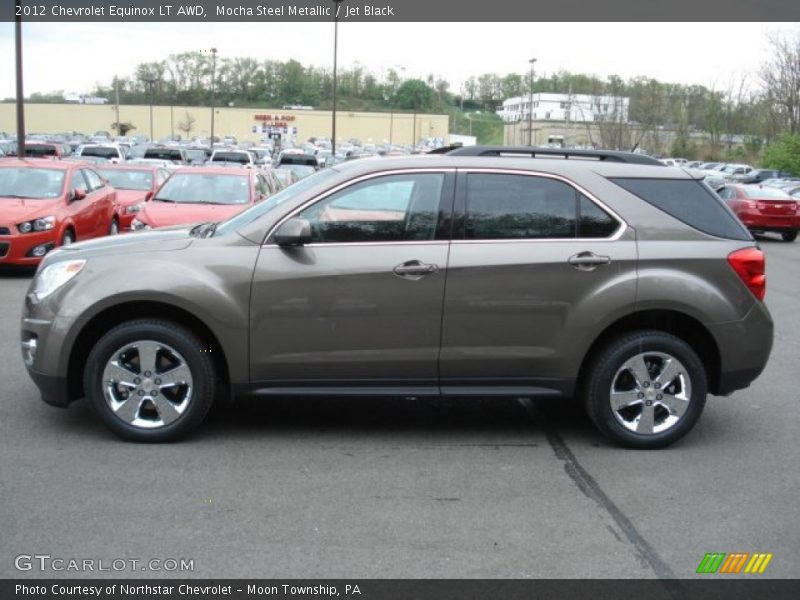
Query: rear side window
(593,221)
(690,202)
(507,207)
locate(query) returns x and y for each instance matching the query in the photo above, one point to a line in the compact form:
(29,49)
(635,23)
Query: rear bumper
(761,222)
(744,348)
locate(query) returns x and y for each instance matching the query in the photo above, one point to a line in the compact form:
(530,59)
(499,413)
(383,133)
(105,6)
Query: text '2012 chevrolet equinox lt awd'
(471,273)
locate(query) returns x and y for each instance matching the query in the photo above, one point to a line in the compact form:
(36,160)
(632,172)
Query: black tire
(166,335)
(113,228)
(789,236)
(67,238)
(608,369)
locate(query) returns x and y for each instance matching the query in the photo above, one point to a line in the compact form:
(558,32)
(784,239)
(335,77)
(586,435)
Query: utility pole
(530,108)
(213,92)
(335,57)
(151,80)
(20,96)
(116,100)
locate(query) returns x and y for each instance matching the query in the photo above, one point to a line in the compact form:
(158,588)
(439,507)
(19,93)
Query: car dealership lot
(378,488)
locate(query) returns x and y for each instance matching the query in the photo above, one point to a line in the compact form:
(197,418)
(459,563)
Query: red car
(763,209)
(202,194)
(135,185)
(46,203)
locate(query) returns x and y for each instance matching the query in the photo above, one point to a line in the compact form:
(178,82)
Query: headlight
(54,276)
(138,225)
(41,224)
(134,208)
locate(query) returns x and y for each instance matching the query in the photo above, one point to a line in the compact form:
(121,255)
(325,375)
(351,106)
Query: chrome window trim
(346,184)
(618,233)
(336,244)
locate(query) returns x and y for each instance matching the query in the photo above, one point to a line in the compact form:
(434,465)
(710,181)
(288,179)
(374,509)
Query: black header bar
(401,11)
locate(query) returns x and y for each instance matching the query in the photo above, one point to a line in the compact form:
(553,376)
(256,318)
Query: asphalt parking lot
(372,488)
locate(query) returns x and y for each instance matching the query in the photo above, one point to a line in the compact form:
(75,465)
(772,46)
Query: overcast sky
(74,56)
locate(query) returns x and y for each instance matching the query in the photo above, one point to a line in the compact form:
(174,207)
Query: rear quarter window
(688,201)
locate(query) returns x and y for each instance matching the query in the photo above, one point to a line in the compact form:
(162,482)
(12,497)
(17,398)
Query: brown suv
(479,272)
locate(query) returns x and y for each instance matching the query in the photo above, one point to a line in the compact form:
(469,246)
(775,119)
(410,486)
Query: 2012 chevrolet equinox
(630,285)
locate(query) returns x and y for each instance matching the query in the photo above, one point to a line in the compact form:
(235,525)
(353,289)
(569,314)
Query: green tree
(784,154)
(414,94)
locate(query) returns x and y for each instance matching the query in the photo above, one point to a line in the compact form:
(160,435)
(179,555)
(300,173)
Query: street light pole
(213,92)
(20,96)
(335,57)
(530,108)
(151,80)
(116,101)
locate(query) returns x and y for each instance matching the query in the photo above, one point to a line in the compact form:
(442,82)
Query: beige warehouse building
(243,123)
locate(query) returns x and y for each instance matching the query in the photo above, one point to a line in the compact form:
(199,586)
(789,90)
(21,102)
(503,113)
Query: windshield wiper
(163,200)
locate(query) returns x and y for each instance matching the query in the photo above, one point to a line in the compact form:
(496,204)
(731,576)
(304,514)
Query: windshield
(196,155)
(235,157)
(102,151)
(205,188)
(299,159)
(766,193)
(262,208)
(163,154)
(40,150)
(31,183)
(128,179)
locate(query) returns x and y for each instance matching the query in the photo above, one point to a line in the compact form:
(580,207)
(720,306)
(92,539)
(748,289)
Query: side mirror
(294,232)
(79,194)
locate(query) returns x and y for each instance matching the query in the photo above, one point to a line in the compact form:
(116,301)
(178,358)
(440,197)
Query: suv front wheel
(645,389)
(150,380)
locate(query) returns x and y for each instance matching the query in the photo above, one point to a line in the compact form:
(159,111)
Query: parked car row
(47,203)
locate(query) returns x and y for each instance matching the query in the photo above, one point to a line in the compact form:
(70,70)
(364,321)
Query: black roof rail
(444,149)
(535,152)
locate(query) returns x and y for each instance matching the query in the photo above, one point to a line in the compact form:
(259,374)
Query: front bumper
(15,249)
(54,390)
(46,358)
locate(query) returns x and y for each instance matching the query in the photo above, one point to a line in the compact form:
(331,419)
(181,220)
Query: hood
(174,238)
(160,214)
(17,210)
(130,197)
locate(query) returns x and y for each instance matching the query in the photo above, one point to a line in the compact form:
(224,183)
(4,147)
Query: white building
(81,99)
(576,108)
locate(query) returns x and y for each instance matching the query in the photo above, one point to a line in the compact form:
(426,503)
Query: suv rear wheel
(150,380)
(646,389)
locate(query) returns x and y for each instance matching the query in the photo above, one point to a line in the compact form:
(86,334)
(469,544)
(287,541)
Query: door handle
(414,269)
(588,261)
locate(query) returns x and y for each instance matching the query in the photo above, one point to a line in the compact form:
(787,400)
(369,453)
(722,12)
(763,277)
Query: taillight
(749,264)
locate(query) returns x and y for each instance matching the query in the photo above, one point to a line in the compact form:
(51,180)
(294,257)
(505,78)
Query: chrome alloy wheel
(147,384)
(650,393)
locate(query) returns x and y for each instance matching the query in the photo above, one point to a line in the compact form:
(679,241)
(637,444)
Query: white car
(114,153)
(242,157)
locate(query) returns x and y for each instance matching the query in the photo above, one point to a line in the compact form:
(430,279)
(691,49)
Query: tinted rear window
(163,154)
(688,201)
